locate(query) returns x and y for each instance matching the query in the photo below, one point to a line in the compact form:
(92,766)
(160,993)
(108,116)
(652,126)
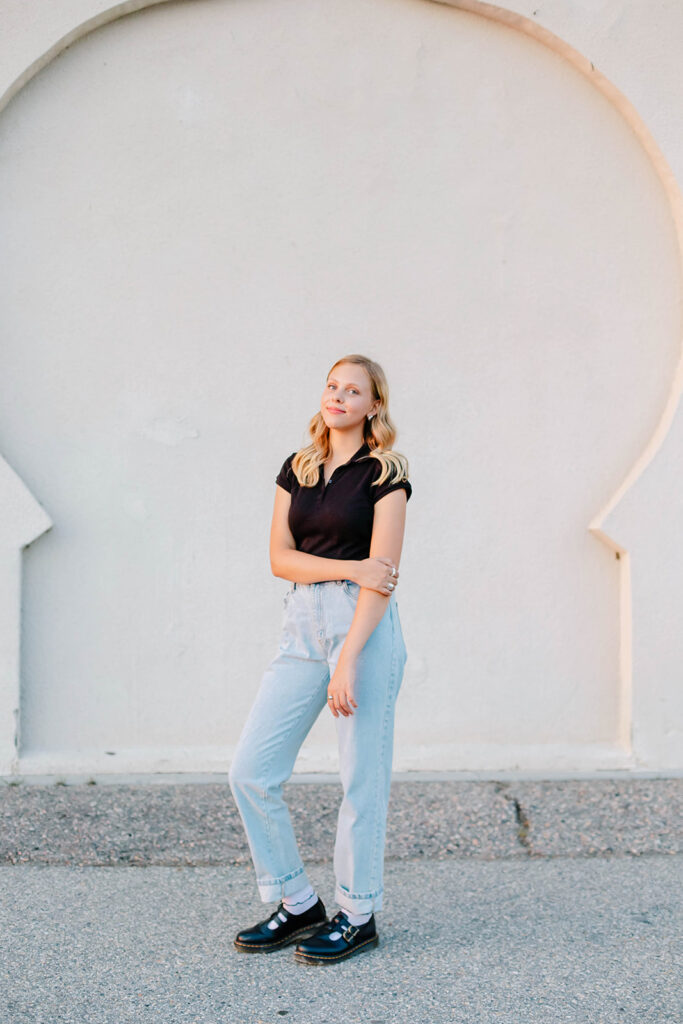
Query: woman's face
(347,397)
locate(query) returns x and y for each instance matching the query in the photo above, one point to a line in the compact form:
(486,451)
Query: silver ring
(390,586)
(330,698)
(393,570)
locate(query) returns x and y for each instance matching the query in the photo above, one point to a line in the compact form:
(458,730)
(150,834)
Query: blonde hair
(379,434)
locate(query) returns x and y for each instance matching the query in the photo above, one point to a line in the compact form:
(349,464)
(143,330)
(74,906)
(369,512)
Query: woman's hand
(341,688)
(375,573)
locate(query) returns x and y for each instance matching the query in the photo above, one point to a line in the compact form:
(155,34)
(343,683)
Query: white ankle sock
(356,919)
(298,902)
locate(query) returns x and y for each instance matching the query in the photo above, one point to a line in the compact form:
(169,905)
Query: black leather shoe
(262,939)
(349,939)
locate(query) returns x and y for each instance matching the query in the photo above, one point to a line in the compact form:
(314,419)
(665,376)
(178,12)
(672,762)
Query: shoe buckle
(349,932)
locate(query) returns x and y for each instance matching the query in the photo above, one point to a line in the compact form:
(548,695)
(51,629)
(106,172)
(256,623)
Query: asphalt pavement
(505,900)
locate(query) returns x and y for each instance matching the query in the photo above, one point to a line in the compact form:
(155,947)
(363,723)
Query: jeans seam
(281,879)
(264,789)
(371,895)
(380,823)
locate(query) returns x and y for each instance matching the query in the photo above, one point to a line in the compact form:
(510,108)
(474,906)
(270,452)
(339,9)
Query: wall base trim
(475,760)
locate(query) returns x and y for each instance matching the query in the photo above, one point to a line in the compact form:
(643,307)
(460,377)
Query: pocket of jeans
(351,588)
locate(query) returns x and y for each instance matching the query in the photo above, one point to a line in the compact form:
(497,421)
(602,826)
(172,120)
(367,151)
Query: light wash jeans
(293,692)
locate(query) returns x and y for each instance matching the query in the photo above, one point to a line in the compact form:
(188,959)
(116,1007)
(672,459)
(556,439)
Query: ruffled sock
(298,902)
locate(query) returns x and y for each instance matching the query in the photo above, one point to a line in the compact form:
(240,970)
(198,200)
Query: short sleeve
(286,474)
(387,487)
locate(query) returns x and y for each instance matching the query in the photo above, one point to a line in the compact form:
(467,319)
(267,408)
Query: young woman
(337,533)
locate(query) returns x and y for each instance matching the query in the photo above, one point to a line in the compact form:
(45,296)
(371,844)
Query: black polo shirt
(334,520)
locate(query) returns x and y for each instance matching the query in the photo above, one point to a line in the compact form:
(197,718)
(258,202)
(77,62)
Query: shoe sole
(307,932)
(310,958)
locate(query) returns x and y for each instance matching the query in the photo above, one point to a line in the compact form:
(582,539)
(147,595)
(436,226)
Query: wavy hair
(379,433)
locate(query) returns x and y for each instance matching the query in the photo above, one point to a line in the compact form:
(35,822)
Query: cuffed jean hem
(358,903)
(275,889)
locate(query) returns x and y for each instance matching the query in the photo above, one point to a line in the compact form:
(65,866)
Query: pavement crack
(523,825)
(521,817)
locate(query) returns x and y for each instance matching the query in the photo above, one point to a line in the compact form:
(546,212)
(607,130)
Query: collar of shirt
(362,451)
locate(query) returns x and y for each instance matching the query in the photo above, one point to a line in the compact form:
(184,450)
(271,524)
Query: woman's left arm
(387,541)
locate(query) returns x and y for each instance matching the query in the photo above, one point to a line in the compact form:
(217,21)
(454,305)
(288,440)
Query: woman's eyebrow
(333,380)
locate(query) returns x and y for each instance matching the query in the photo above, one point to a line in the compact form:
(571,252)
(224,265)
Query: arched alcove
(240,195)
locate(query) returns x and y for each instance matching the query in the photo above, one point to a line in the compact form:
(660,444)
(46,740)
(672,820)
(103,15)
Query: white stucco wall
(202,206)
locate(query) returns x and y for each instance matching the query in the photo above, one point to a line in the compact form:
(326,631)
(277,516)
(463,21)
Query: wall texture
(202,206)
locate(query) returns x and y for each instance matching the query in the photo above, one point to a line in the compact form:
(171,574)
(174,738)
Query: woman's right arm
(300,567)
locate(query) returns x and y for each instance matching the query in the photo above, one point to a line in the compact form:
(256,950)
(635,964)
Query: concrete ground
(505,900)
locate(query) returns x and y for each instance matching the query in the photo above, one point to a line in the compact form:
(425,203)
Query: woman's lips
(331,408)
